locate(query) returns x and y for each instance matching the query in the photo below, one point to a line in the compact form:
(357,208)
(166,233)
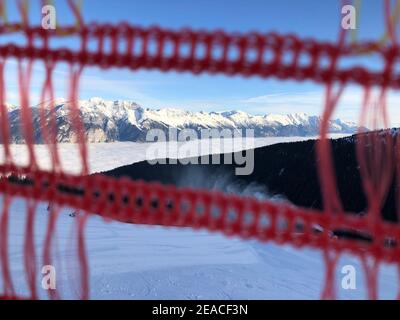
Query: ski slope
(143,262)
(151,262)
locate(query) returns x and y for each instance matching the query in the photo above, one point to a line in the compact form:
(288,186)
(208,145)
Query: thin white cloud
(138,90)
(312,102)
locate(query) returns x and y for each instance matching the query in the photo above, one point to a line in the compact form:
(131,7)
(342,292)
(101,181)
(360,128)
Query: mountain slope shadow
(286,170)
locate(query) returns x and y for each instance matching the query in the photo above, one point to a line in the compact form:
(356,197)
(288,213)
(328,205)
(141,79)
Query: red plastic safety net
(259,55)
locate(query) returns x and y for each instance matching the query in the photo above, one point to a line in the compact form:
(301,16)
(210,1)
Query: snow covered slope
(138,262)
(107,121)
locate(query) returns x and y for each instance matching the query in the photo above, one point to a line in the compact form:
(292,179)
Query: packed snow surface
(143,262)
(150,262)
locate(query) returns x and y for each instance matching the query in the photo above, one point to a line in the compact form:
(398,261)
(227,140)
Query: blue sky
(306,18)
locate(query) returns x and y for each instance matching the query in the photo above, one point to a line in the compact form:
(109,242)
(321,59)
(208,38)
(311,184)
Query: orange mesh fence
(137,202)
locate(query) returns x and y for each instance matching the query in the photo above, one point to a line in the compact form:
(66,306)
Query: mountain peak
(96,100)
(122,120)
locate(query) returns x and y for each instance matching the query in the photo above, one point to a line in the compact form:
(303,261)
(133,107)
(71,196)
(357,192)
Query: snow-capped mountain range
(107,121)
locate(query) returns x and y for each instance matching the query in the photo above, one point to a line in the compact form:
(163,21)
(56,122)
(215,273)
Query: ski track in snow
(151,262)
